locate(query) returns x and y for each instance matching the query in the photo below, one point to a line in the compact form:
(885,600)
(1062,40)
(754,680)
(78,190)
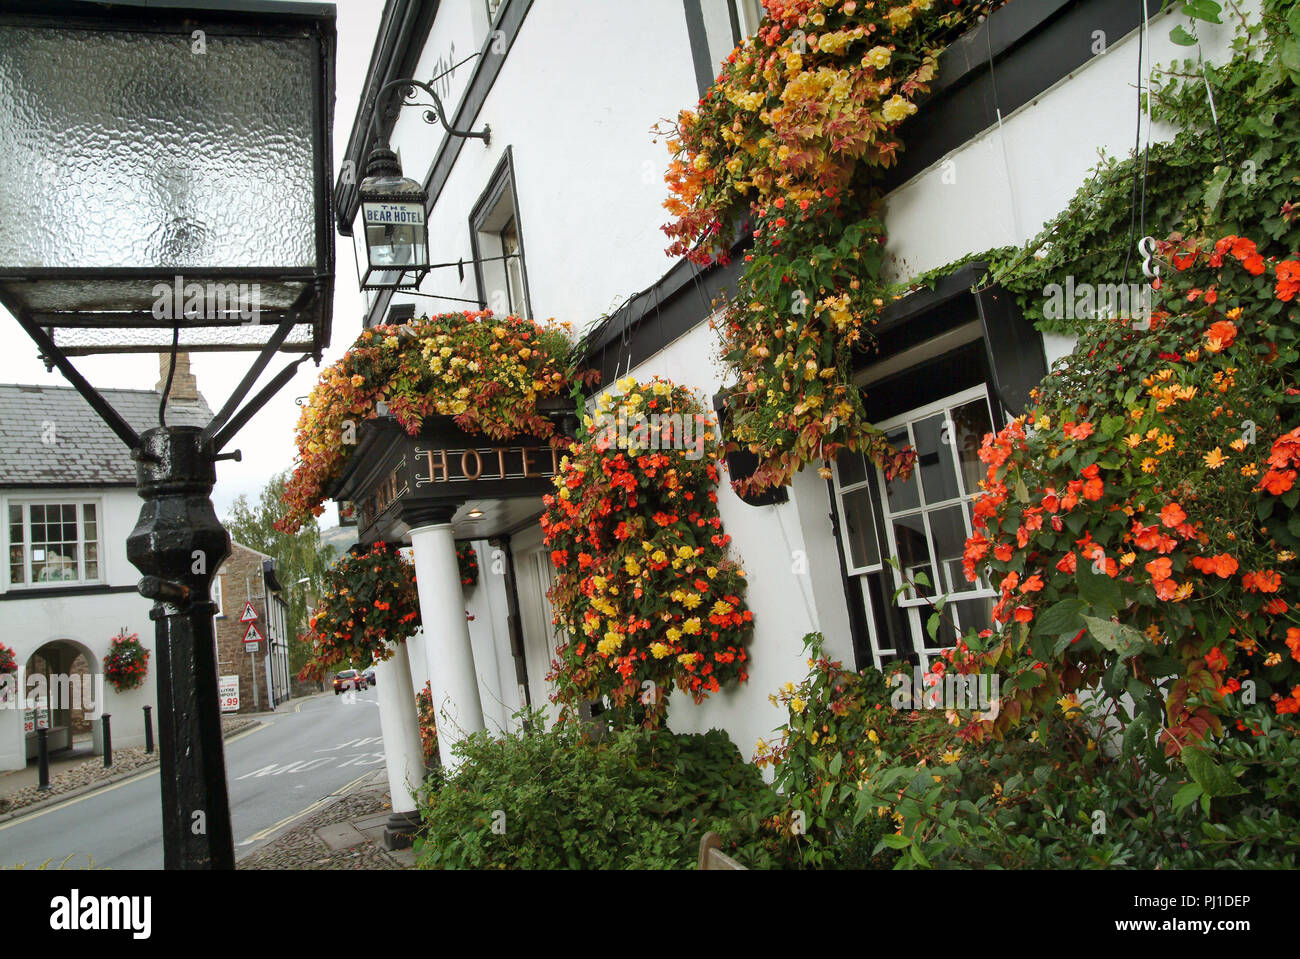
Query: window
(53,543)
(923,522)
(498,245)
(748,14)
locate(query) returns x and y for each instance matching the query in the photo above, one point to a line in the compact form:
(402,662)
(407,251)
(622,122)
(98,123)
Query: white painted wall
(89,621)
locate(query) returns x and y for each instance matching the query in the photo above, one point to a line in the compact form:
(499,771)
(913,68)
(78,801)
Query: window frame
(501,187)
(911,607)
(25,503)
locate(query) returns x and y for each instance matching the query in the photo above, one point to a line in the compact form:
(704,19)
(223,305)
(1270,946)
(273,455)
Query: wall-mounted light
(391,233)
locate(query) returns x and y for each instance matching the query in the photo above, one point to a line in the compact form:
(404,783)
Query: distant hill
(338,538)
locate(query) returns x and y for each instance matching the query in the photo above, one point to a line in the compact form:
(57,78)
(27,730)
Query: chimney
(184,386)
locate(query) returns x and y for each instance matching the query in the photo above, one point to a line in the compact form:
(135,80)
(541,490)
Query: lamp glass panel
(396,234)
(127,148)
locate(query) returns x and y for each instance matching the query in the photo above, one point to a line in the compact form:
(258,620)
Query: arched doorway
(65,682)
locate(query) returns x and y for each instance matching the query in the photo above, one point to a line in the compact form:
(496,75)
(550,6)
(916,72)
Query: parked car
(348,679)
(370,676)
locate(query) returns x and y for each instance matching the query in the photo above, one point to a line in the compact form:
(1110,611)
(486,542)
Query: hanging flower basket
(369,603)
(644,585)
(492,375)
(467,560)
(127,662)
(8,663)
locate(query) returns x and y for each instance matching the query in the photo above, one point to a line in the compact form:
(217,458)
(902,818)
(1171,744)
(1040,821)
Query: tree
(297,557)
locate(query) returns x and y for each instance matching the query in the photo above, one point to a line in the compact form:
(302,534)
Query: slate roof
(85,452)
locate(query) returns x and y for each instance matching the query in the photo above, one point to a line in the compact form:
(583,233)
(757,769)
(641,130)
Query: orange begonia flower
(1277,482)
(1293,643)
(1220,336)
(1264,581)
(1172,515)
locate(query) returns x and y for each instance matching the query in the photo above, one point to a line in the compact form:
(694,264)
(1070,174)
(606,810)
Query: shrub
(637,799)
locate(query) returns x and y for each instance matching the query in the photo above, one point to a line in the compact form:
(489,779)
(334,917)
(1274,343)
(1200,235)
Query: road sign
(228,693)
(252,635)
(249,615)
(252,647)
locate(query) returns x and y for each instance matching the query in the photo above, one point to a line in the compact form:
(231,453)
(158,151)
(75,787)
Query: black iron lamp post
(181,201)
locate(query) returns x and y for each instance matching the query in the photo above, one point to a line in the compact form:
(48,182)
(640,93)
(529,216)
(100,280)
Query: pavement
(310,761)
(79,770)
(345,832)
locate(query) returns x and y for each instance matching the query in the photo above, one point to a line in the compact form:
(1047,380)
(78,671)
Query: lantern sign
(391,233)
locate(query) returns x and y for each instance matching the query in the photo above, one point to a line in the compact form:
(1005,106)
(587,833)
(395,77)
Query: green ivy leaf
(1212,778)
(1061,618)
(1181,37)
(1118,638)
(1101,592)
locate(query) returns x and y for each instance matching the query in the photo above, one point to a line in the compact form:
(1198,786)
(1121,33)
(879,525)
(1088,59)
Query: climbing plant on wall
(791,139)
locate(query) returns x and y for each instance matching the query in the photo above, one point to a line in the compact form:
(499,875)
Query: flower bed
(488,373)
(644,588)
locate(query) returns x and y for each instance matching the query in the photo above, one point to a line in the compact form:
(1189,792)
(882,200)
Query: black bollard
(148,729)
(108,741)
(43,757)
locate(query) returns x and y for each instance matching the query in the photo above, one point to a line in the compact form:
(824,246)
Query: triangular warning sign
(249,614)
(251,635)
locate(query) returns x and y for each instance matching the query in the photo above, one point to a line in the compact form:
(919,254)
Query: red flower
(1220,336)
(1172,515)
(1216,660)
(1288,280)
(1079,431)
(1264,581)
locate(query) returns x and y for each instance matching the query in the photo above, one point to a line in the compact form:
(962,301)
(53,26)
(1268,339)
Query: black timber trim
(1035,43)
(699,39)
(63,591)
(1032,46)
(403,31)
(655,317)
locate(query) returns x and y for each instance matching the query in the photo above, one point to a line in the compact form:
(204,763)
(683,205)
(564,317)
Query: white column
(452,677)
(400,728)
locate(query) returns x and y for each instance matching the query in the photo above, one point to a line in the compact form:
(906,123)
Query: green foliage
(1085,786)
(637,799)
(1234,176)
(297,557)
